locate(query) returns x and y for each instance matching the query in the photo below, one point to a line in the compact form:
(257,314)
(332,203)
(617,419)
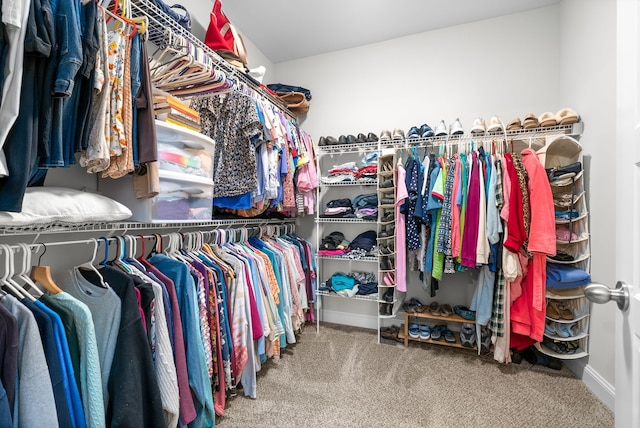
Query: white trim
(349,318)
(595,382)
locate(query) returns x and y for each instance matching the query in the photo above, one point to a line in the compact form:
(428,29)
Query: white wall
(588,84)
(507,66)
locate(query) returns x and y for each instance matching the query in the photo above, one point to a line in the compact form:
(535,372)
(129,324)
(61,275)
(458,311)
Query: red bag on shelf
(222,36)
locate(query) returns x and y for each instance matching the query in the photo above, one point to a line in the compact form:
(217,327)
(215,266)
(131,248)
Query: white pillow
(58,205)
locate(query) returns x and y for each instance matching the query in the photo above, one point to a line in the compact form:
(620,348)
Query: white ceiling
(285,30)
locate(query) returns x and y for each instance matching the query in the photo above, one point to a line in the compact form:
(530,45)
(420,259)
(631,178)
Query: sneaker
(413,133)
(426,131)
(398,134)
(495,125)
(425,332)
(468,335)
(456,128)
(414,331)
(479,126)
(441,129)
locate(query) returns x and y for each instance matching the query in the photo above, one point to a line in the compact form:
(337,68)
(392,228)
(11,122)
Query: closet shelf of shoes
(533,137)
(566,334)
(349,184)
(343,220)
(417,318)
(387,307)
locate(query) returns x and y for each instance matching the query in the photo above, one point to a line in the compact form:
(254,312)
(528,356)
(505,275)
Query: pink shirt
(401,230)
(455,212)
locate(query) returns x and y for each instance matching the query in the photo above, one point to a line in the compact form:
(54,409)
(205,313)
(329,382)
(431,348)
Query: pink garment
(506,191)
(526,319)
(563,234)
(401,230)
(455,212)
(332,252)
(256,325)
(472,216)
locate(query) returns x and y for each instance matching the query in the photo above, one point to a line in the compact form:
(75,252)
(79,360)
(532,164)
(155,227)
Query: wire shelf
(127,226)
(350,184)
(349,259)
(343,220)
(160,22)
(368,298)
(346,148)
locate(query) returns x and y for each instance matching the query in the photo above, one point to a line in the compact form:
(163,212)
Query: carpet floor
(342,378)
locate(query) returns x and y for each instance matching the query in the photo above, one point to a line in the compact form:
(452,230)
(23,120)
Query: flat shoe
(331,141)
(530,121)
(361,138)
(446,310)
(371,138)
(514,124)
(435,309)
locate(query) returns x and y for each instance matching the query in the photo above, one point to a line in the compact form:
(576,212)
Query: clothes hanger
(8,281)
(7,270)
(90,264)
(26,264)
(42,275)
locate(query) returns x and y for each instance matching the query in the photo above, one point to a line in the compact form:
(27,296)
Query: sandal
(435,309)
(446,310)
(425,332)
(449,337)
(417,303)
(436,332)
(559,310)
(468,335)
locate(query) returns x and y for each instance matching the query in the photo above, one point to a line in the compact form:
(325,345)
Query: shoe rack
(426,318)
(327,157)
(387,298)
(568,310)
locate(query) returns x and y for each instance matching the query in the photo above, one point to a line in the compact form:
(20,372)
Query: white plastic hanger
(8,272)
(90,264)
(26,265)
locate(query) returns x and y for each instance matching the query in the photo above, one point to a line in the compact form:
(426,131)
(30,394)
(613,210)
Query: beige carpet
(343,378)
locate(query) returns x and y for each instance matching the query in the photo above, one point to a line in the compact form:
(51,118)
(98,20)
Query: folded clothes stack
(565,276)
(350,284)
(339,208)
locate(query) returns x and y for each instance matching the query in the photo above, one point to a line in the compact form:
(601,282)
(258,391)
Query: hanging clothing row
(258,152)
(487,210)
(82,95)
(158,339)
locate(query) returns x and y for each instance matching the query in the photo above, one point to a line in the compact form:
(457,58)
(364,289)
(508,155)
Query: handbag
(296,102)
(222,36)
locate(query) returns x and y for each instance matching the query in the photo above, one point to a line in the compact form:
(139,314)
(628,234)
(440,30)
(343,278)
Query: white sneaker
(479,126)
(456,128)
(495,125)
(441,129)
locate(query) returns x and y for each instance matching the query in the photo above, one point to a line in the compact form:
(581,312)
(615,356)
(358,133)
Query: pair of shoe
(468,337)
(552,328)
(386,249)
(440,310)
(390,333)
(388,183)
(424,131)
(533,356)
(388,296)
(464,312)
(480,126)
(385,308)
(413,305)
(455,128)
(328,141)
(389,279)
(386,263)
(369,138)
(387,216)
(397,134)
(558,309)
(386,167)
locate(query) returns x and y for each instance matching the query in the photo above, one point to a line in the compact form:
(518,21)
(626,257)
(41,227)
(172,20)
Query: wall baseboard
(352,319)
(594,381)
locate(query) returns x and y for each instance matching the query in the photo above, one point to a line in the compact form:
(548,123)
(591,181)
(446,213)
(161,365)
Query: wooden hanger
(42,275)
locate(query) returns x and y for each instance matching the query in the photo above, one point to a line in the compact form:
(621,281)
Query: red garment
(515,222)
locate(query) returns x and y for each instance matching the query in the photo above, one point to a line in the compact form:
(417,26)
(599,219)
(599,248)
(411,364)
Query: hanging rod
(159,22)
(133,226)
